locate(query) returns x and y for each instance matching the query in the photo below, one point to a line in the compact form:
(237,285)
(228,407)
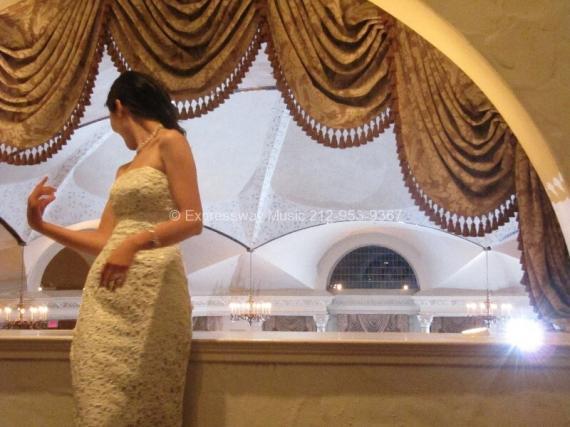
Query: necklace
(150,137)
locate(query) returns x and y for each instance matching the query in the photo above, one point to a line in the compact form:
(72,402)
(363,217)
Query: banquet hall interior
(385,195)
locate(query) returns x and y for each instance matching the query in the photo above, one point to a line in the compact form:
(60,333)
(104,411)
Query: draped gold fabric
(200,50)
(455,325)
(290,323)
(330,61)
(455,149)
(329,58)
(49,52)
(373,323)
(545,258)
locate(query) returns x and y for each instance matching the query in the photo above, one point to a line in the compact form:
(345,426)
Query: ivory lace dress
(131,346)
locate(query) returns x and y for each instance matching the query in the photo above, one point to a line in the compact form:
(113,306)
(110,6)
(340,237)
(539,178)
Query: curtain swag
(330,63)
(49,56)
(329,59)
(456,152)
(545,259)
(346,71)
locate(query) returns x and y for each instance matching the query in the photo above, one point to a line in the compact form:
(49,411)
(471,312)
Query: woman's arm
(90,241)
(180,168)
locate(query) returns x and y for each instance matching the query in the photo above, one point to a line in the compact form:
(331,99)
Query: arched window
(373,267)
(66,271)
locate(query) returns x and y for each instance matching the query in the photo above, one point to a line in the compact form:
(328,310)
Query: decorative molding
(455,305)
(281,305)
(373,304)
(66,306)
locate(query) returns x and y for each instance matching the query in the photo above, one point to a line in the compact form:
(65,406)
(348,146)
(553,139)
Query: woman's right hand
(41,196)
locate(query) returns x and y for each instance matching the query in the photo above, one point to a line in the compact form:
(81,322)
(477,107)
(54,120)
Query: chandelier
(251,311)
(22,316)
(490,312)
(33,317)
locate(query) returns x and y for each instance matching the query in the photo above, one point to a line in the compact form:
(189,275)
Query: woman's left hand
(114,271)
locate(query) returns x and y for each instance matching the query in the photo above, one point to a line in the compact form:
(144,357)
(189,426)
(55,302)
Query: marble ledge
(332,348)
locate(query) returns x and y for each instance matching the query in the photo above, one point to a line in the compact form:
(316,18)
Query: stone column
(321,321)
(425,322)
(256,326)
(332,325)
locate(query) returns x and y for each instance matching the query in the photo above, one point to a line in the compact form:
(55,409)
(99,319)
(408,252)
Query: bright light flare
(527,335)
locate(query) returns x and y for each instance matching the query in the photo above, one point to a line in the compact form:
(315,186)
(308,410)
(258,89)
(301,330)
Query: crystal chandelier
(250,310)
(490,312)
(20,316)
(33,317)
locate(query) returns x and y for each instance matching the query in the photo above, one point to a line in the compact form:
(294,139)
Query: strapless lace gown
(130,347)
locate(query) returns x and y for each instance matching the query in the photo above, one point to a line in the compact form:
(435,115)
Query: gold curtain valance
(456,151)
(333,63)
(330,62)
(49,54)
(200,50)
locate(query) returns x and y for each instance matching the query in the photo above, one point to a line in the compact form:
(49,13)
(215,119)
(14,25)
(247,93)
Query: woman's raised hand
(41,196)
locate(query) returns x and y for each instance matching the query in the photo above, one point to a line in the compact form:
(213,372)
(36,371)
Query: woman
(131,343)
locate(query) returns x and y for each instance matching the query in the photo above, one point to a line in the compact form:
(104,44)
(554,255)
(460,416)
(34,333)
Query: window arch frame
(328,288)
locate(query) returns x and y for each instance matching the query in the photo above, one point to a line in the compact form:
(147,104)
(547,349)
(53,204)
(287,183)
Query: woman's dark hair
(145,97)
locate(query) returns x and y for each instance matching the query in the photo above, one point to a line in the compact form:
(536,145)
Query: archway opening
(66,271)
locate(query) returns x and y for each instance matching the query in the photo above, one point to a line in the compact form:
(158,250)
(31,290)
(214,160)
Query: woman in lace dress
(131,344)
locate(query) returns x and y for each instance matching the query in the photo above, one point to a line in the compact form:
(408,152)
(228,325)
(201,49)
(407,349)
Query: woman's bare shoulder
(172,140)
(122,168)
(169,134)
(175,151)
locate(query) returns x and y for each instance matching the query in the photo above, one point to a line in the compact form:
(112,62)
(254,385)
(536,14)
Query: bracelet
(154,240)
